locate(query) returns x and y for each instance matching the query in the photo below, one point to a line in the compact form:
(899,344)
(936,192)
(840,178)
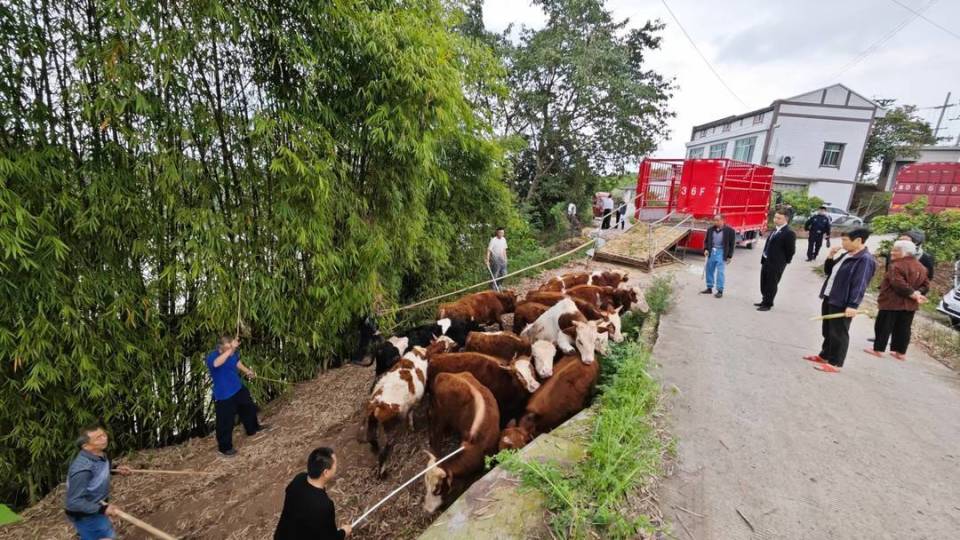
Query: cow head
(543,354)
(435,481)
(586,339)
(612,315)
(401,344)
(514,437)
(441,344)
(603,339)
(524,372)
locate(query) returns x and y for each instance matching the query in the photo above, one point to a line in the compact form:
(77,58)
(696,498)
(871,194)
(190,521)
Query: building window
(758,119)
(718,150)
(832,153)
(743,149)
(695,153)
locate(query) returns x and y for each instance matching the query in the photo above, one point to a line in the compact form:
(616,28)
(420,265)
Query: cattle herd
(500,389)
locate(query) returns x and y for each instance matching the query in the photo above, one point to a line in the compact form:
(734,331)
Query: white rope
(405,484)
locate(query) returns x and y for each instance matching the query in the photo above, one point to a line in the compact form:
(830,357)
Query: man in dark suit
(777,254)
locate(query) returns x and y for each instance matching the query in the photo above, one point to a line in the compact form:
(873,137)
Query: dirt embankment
(241,498)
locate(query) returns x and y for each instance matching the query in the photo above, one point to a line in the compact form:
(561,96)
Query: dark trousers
(227,409)
(814,241)
(896,323)
(769,281)
(605,224)
(836,335)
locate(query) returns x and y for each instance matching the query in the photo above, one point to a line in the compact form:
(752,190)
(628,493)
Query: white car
(950,303)
(842,217)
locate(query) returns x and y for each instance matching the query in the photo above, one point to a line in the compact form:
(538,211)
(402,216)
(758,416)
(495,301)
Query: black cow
(388,352)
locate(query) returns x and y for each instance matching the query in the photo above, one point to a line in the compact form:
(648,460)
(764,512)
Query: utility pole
(943,108)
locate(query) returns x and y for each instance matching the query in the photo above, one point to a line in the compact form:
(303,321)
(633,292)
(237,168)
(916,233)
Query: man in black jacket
(818,226)
(308,513)
(718,245)
(777,254)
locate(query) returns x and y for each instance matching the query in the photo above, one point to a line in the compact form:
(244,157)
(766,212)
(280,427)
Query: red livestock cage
(703,188)
(938,182)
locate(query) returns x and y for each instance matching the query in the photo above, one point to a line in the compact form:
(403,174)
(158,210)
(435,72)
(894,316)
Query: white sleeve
(490,245)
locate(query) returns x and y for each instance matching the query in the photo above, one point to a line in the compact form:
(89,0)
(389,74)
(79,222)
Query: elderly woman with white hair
(901,293)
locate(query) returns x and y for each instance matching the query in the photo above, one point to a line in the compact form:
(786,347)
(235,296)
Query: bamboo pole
(268,379)
(165,471)
(834,316)
(239,290)
(140,524)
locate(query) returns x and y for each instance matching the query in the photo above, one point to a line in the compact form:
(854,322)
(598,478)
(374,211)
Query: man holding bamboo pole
(230,397)
(848,276)
(88,486)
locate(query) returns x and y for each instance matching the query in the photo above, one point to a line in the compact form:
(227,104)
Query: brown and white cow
(568,281)
(550,327)
(460,403)
(558,399)
(504,345)
(484,308)
(512,385)
(396,394)
(526,313)
(598,295)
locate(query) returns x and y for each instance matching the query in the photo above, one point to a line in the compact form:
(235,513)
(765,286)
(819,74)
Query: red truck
(703,188)
(939,182)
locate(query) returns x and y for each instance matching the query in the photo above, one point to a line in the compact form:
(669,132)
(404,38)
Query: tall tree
(582,98)
(899,133)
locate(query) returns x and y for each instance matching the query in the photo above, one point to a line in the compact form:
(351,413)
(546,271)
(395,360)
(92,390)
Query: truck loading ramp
(643,246)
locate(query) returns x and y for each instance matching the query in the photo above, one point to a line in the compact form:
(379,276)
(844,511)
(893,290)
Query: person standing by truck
(818,226)
(718,245)
(777,253)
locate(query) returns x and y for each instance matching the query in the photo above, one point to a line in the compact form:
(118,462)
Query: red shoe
(827,368)
(878,354)
(899,356)
(815,358)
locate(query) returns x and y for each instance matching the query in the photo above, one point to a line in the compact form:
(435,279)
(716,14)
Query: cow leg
(384,448)
(410,419)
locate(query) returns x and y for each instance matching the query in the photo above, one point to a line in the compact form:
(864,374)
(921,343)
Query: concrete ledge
(494,508)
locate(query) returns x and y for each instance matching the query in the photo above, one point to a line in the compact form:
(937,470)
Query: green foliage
(658,294)
(804,204)
(899,133)
(942,229)
(624,452)
(323,156)
(583,99)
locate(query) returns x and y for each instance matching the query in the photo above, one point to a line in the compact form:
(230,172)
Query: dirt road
(872,452)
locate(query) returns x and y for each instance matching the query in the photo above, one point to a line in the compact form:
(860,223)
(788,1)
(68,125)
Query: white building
(815,140)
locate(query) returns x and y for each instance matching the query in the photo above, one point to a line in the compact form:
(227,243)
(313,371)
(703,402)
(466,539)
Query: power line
(880,42)
(924,17)
(704,58)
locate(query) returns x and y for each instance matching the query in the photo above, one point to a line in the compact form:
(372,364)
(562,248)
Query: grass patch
(943,342)
(625,450)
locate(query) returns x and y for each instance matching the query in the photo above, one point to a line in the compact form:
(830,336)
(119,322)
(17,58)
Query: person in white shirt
(607,212)
(572,218)
(496,259)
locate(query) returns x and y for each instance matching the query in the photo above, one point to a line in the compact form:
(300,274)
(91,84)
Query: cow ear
(512,423)
(570,331)
(618,310)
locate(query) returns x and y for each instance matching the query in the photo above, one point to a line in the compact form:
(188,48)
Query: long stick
(141,524)
(834,316)
(405,484)
(164,471)
(268,379)
(239,290)
(495,284)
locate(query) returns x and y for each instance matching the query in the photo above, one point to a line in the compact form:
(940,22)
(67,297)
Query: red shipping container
(938,182)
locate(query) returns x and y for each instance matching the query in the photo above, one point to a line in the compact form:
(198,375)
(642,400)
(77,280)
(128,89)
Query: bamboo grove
(158,155)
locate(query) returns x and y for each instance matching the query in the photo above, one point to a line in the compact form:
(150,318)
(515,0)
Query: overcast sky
(772,49)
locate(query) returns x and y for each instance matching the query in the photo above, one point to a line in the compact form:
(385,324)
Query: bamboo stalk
(166,471)
(834,316)
(144,525)
(239,290)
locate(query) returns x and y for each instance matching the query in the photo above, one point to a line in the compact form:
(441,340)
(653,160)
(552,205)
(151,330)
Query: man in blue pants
(718,245)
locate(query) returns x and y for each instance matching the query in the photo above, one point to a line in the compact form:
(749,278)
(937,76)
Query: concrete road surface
(872,452)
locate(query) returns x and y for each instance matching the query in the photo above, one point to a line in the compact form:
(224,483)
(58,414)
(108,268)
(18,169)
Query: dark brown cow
(460,403)
(568,281)
(526,313)
(558,399)
(483,308)
(511,385)
(504,345)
